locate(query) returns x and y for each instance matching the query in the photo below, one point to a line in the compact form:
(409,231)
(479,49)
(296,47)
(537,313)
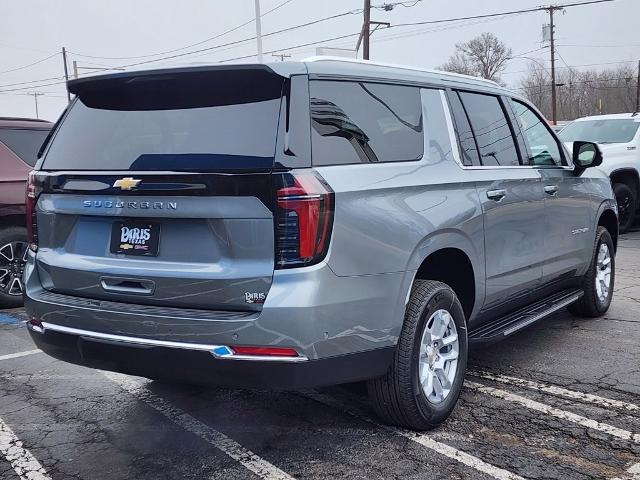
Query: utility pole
(638,90)
(365,29)
(551,9)
(35,97)
(258,31)
(282,56)
(66,73)
(75,69)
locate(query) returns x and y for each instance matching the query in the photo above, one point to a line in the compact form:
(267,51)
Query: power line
(226,32)
(31,64)
(485,16)
(248,39)
(331,17)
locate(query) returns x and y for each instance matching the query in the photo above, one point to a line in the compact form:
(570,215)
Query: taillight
(34,188)
(304,217)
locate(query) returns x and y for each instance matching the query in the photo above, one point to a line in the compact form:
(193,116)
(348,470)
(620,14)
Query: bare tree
(582,92)
(484,56)
(458,63)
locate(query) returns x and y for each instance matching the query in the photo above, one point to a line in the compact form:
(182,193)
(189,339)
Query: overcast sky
(33,29)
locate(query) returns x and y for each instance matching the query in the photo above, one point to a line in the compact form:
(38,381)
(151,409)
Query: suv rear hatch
(156,189)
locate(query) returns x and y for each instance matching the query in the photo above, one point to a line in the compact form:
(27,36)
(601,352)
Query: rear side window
(24,143)
(491,129)
(358,122)
(169,125)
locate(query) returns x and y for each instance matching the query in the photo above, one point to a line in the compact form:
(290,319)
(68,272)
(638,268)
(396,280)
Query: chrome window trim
(160,343)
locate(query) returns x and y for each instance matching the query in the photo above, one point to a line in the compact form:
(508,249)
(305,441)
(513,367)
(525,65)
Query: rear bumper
(343,328)
(198,366)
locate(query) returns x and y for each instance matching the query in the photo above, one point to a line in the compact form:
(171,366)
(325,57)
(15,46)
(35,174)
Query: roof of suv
(314,66)
(18,122)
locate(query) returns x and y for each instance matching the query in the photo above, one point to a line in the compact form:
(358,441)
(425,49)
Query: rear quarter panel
(390,217)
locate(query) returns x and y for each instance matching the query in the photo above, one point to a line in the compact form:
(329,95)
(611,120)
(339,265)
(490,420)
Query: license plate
(135,238)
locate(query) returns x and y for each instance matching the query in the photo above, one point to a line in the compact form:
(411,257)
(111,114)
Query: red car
(20,140)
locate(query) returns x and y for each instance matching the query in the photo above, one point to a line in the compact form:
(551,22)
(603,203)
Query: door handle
(496,195)
(551,189)
(127,285)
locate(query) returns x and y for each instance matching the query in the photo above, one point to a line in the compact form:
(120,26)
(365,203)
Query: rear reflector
(304,217)
(265,351)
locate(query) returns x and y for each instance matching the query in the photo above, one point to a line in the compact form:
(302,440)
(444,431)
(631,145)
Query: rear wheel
(424,381)
(626,200)
(13,256)
(599,280)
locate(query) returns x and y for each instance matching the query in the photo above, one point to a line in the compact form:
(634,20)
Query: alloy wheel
(13,257)
(603,273)
(438,359)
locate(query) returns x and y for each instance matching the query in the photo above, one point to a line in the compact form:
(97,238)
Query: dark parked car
(20,139)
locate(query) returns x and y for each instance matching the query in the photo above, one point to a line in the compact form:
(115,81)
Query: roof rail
(23,119)
(319,58)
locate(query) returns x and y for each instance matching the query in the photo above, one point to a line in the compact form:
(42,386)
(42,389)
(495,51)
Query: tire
(13,244)
(626,199)
(594,303)
(398,396)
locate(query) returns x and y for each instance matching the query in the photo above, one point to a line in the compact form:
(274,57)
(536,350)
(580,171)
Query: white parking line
(559,391)
(421,438)
(19,354)
(555,412)
(23,463)
(633,473)
(233,449)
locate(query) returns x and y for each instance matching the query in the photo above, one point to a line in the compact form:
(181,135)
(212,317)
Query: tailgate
(212,252)
(156,189)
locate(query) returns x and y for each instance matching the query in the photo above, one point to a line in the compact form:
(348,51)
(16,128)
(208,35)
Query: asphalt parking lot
(560,400)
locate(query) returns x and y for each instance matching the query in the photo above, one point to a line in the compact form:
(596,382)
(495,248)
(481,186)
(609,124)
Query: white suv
(619,139)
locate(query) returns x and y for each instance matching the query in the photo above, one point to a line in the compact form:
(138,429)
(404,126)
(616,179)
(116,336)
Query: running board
(515,321)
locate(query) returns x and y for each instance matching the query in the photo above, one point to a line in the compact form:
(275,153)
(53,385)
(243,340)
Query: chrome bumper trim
(162,343)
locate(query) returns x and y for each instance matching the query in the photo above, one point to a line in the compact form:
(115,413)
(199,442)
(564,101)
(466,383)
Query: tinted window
(601,131)
(228,136)
(541,144)
(468,148)
(491,129)
(24,143)
(365,122)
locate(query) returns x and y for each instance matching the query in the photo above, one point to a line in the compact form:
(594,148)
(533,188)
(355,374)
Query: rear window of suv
(25,143)
(170,126)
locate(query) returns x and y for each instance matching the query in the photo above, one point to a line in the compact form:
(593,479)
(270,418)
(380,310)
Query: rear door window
(359,122)
(468,147)
(25,143)
(491,129)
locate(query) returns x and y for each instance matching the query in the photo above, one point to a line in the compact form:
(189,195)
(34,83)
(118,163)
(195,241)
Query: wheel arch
(452,258)
(14,220)
(608,219)
(630,177)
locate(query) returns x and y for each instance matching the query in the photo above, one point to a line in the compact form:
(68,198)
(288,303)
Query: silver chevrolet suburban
(309,223)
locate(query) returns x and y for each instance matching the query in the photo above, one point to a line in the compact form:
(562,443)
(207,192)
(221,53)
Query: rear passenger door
(568,238)
(511,195)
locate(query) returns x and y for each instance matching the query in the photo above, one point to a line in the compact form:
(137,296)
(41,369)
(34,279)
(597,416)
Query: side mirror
(586,155)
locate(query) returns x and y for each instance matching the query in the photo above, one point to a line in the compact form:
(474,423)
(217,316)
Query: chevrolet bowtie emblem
(127,183)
